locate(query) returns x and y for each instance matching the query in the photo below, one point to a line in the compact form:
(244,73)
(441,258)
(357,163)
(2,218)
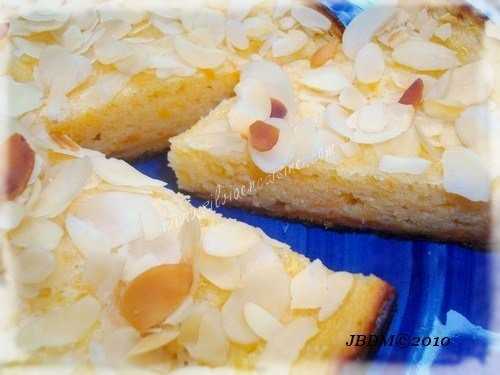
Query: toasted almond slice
(16,173)
(414,94)
(229,239)
(278,110)
(153,295)
(324,53)
(263,137)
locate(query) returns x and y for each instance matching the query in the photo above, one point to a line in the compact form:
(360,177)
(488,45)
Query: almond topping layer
(263,137)
(16,171)
(323,54)
(153,295)
(278,109)
(414,94)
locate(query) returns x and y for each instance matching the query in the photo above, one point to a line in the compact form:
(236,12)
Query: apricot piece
(263,137)
(413,94)
(17,166)
(153,295)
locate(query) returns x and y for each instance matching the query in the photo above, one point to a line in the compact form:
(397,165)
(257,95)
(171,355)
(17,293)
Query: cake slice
(395,131)
(124,78)
(104,268)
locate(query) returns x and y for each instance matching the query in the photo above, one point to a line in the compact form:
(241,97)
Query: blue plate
(442,290)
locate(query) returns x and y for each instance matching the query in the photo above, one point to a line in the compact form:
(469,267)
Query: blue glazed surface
(432,281)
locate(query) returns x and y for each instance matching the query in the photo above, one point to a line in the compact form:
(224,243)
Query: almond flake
(444,32)
(328,79)
(338,285)
(224,273)
(267,285)
(67,325)
(228,239)
(309,286)
(120,216)
(17,166)
(263,137)
(293,337)
(395,164)
(181,313)
(473,128)
(39,233)
(18,98)
(11,214)
(236,35)
(119,173)
(212,346)
(336,119)
(281,154)
(464,174)
(376,125)
(33,266)
(86,237)
(471,84)
(351,98)
(197,56)
(153,342)
(425,56)
(362,29)
(369,64)
(258,27)
(253,104)
(414,94)
(67,183)
(152,296)
(292,42)
(275,81)
(324,53)
(310,18)
(260,321)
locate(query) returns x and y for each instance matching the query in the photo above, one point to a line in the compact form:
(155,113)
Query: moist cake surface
(123,77)
(395,130)
(104,268)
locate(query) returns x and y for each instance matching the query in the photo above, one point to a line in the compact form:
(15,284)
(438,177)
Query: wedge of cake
(394,130)
(123,77)
(104,268)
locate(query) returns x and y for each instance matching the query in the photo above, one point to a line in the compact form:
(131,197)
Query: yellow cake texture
(84,267)
(126,83)
(433,178)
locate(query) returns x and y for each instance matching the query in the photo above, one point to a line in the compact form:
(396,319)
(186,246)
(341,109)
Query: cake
(131,75)
(107,269)
(395,129)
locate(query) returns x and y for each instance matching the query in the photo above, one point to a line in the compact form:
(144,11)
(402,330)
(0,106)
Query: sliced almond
(414,94)
(369,64)
(197,56)
(263,137)
(324,53)
(308,287)
(65,142)
(261,321)
(229,239)
(278,109)
(425,56)
(363,28)
(464,174)
(290,43)
(152,296)
(16,172)
(311,18)
(328,79)
(41,233)
(154,341)
(338,286)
